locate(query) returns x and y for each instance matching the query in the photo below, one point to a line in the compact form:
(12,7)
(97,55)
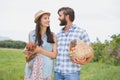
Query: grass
(100,71)
(12,63)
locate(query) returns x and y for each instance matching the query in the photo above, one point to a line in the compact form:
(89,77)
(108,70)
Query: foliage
(98,48)
(107,52)
(12,44)
(114,49)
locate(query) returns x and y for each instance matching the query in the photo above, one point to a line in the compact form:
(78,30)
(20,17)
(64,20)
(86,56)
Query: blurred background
(100,18)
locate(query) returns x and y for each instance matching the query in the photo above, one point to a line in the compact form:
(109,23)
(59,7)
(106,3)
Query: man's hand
(78,61)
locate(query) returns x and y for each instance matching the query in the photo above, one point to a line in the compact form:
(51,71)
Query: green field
(12,62)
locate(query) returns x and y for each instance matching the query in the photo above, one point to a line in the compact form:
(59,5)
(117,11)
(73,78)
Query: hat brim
(39,15)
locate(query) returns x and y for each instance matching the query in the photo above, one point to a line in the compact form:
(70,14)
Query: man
(68,68)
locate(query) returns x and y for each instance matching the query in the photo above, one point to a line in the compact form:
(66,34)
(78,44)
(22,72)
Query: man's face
(62,18)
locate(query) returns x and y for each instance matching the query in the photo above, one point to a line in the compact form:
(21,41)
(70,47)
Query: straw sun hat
(40,13)
(82,50)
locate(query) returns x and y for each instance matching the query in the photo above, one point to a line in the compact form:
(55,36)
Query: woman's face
(45,21)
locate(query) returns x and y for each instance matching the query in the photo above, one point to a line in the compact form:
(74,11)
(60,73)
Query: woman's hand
(26,52)
(38,49)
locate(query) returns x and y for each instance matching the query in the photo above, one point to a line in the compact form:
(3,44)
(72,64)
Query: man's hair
(68,11)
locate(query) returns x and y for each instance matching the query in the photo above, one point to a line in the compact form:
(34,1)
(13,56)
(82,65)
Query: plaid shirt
(63,62)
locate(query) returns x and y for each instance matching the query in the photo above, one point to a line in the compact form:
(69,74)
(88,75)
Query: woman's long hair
(38,37)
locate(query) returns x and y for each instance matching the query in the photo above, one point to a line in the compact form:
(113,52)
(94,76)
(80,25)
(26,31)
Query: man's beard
(63,22)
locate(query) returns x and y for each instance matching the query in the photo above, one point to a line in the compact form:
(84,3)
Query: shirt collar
(73,26)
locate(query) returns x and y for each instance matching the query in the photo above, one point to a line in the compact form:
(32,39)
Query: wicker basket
(82,50)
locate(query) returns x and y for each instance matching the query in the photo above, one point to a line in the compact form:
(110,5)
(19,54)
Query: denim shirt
(47,62)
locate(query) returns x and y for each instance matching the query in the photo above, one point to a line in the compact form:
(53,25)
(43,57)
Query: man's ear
(67,17)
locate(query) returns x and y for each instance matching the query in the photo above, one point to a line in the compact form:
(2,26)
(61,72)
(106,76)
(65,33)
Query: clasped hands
(27,52)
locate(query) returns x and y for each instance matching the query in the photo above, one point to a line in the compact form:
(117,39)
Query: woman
(42,64)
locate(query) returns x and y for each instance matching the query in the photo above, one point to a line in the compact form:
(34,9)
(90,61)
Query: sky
(100,18)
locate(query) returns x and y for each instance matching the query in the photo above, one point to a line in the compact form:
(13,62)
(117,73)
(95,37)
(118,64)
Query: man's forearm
(90,58)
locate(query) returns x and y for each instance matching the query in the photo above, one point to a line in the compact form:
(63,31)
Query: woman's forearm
(47,53)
